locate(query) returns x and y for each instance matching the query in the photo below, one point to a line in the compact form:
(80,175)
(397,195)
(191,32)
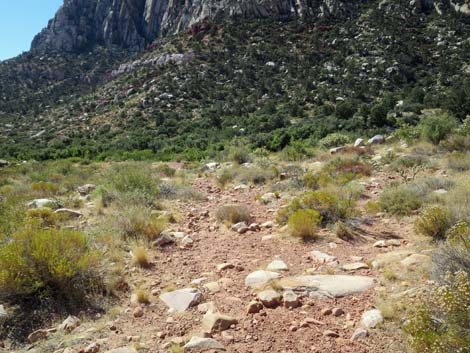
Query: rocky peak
(132,24)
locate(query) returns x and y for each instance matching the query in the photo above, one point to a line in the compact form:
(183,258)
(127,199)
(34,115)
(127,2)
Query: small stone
(216,322)
(415,260)
(359,142)
(69,212)
(254,227)
(376,140)
(240,228)
(225,266)
(138,312)
(371,318)
(311,321)
(330,333)
(181,300)
(393,242)
(322,257)
(164,239)
(207,307)
(290,299)
(84,190)
(187,242)
(277,265)
(269,298)
(122,350)
(360,333)
(326,312)
(203,344)
(337,312)
(268,225)
(260,278)
(212,287)
(380,244)
(254,307)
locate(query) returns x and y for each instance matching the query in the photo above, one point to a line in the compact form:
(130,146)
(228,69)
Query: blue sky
(20,20)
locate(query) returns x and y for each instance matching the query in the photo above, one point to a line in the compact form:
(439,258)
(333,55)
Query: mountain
(170,79)
(133,24)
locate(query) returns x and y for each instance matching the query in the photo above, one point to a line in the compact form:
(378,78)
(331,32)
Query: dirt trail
(272,330)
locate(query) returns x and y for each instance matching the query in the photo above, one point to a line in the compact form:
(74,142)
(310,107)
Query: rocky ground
(213,288)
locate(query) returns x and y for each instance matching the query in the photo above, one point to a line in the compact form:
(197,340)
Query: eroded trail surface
(323,317)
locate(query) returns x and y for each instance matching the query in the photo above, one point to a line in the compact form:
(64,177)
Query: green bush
(54,263)
(166,170)
(233,214)
(433,222)
(304,224)
(400,199)
(335,139)
(442,322)
(332,204)
(459,161)
(138,222)
(239,155)
(435,127)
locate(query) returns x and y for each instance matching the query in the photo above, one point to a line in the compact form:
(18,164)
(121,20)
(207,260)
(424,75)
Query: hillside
(277,82)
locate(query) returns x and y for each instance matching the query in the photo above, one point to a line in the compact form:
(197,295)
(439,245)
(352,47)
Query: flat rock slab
(355,266)
(334,286)
(278,265)
(181,300)
(260,279)
(201,344)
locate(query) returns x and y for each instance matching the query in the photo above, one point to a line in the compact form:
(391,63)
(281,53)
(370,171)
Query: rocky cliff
(132,24)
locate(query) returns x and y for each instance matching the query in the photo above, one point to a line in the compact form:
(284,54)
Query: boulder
(164,239)
(268,198)
(359,142)
(69,324)
(4,163)
(182,299)
(269,298)
(260,279)
(277,265)
(202,344)
(86,189)
(371,318)
(44,203)
(216,322)
(240,228)
(376,140)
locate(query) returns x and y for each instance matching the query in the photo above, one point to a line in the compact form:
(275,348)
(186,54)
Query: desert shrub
(341,167)
(132,182)
(436,126)
(225,177)
(458,201)
(138,222)
(459,161)
(141,257)
(47,217)
(233,214)
(166,170)
(335,139)
(457,143)
(255,175)
(304,224)
(55,263)
(12,215)
(433,222)
(141,296)
(332,204)
(454,254)
(239,155)
(45,188)
(295,151)
(400,199)
(442,322)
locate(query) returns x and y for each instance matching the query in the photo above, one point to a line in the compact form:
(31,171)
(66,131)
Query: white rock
(268,197)
(359,142)
(181,300)
(355,266)
(240,227)
(371,318)
(216,322)
(259,279)
(290,299)
(269,298)
(70,324)
(322,257)
(277,265)
(415,259)
(70,212)
(203,344)
(3,314)
(42,203)
(376,140)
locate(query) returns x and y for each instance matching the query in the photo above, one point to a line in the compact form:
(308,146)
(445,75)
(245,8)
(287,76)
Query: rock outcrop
(81,24)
